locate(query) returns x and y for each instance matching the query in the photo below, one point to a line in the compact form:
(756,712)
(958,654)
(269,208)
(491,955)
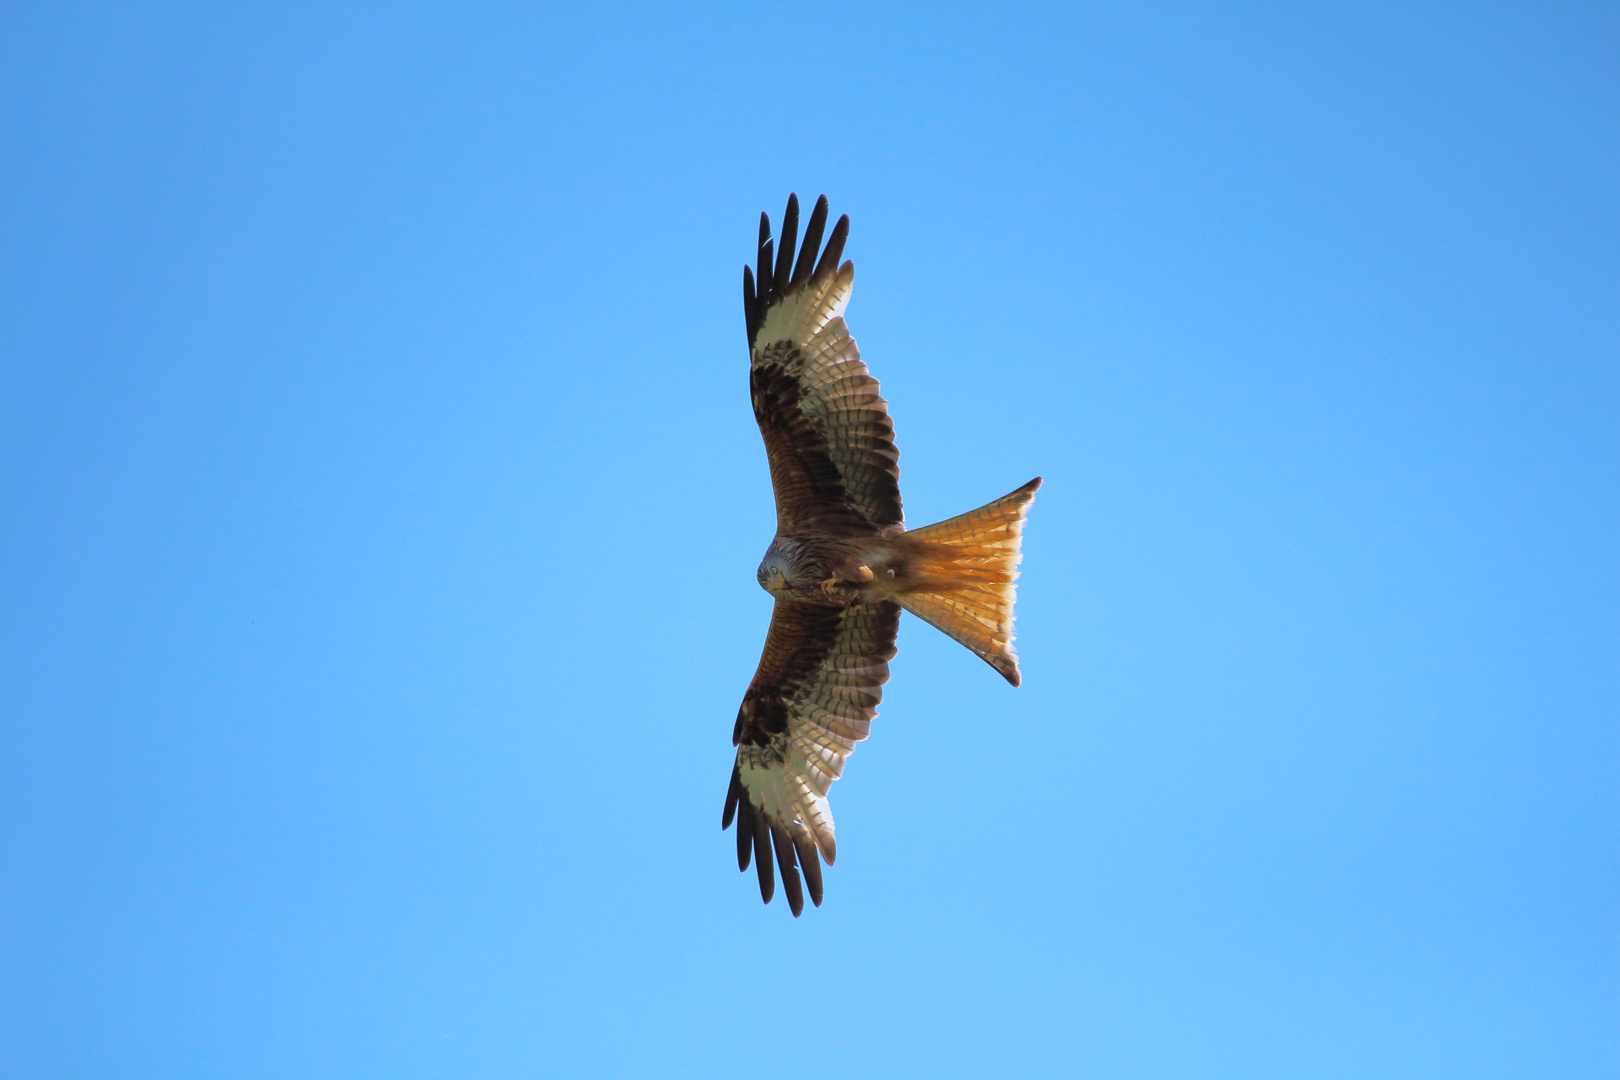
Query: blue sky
(383,502)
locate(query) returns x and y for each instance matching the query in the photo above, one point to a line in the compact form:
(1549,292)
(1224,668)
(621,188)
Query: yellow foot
(842,593)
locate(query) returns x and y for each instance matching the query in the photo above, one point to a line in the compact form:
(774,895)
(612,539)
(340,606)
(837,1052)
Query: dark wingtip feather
(749,306)
(835,247)
(811,867)
(745,835)
(812,241)
(758,839)
(733,796)
(764,272)
(762,857)
(776,271)
(790,873)
(784,253)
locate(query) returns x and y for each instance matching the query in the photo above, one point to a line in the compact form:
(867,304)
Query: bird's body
(842,565)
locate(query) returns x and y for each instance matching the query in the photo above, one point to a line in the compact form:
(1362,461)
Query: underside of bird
(842,565)
(958,575)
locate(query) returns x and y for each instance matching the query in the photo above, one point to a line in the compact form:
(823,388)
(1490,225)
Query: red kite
(842,565)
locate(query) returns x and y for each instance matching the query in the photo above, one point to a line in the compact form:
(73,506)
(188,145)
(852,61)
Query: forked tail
(962,576)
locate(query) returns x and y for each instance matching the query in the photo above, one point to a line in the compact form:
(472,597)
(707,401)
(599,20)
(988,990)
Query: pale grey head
(776,568)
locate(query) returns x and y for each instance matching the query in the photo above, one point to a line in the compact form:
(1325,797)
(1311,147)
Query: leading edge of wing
(780,277)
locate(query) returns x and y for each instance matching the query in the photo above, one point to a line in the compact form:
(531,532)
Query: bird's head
(772,575)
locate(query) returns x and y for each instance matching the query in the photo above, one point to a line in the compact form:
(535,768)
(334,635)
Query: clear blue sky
(382,502)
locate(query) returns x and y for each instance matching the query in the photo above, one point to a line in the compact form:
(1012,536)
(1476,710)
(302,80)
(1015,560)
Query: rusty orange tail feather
(962,577)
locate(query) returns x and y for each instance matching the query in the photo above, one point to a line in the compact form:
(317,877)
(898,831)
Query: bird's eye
(775,572)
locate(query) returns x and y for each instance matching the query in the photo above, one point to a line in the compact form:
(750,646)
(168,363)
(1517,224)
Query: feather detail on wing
(827,430)
(813,698)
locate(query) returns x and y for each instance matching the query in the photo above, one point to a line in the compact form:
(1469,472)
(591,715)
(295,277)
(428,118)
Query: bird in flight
(842,565)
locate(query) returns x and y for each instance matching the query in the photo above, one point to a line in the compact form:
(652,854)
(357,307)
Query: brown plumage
(842,565)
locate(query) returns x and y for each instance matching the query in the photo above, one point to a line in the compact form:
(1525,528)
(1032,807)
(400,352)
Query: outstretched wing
(813,698)
(827,432)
